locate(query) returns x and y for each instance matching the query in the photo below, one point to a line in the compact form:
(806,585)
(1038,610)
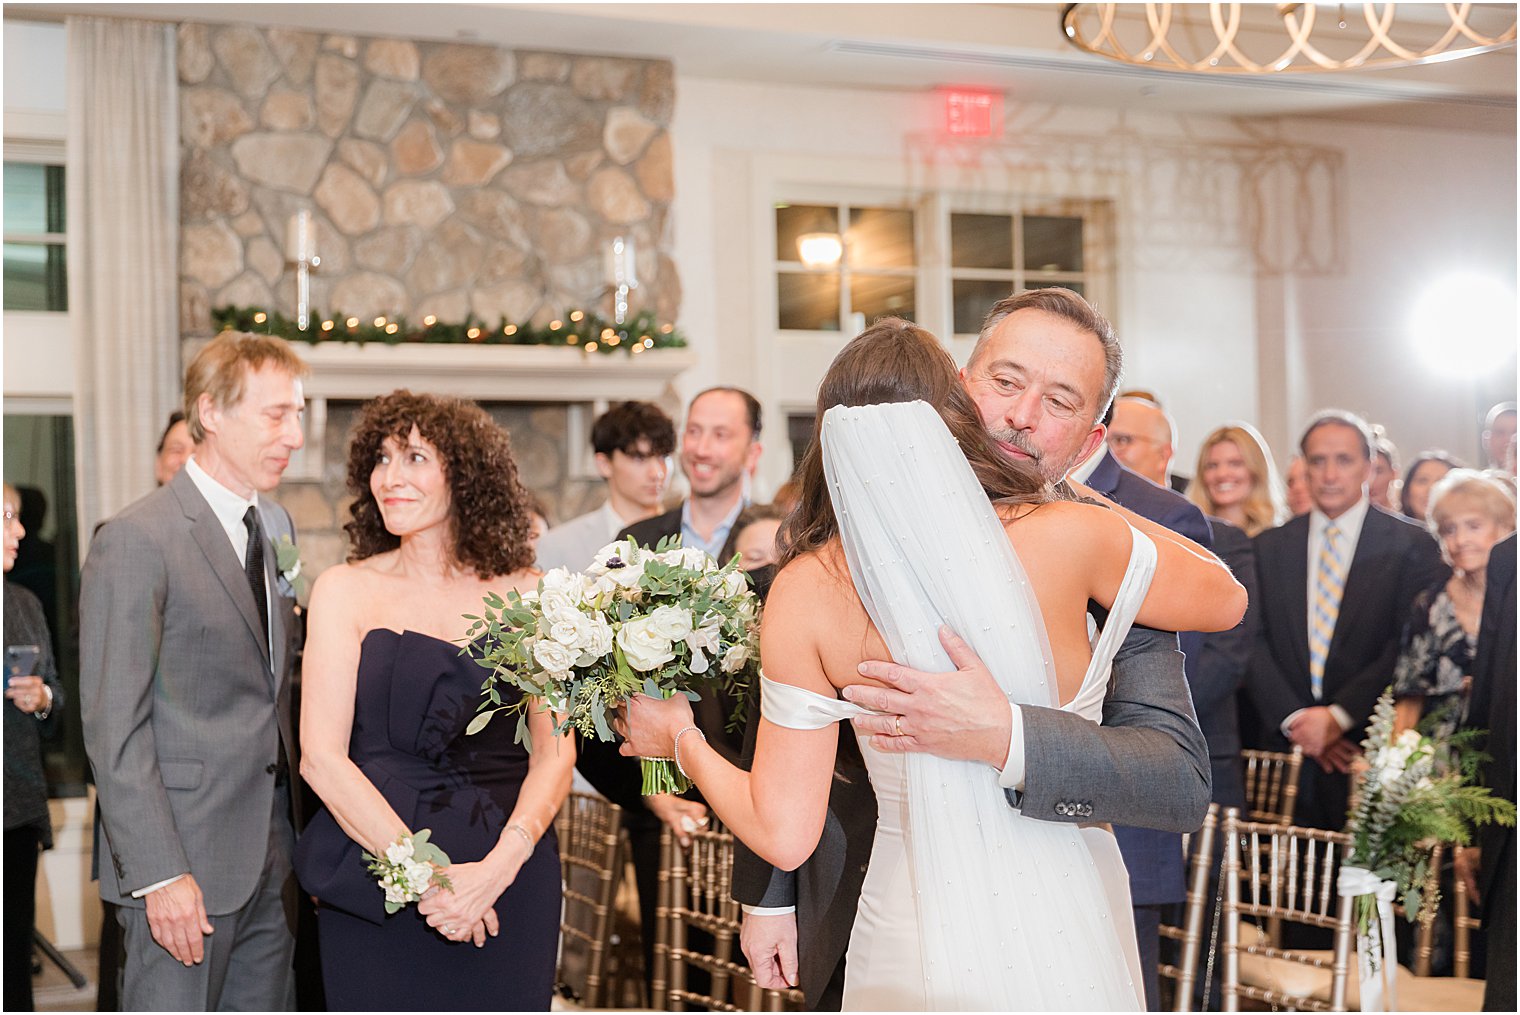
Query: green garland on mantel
(580,328)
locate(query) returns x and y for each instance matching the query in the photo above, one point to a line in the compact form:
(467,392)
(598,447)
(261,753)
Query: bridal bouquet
(1413,792)
(662,622)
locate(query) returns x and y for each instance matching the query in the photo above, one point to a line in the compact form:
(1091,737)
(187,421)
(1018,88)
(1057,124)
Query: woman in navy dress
(439,520)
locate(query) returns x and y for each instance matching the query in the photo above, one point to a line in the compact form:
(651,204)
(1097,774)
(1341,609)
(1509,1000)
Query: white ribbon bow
(1376,953)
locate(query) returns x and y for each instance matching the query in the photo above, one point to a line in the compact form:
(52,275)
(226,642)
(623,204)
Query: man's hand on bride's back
(962,714)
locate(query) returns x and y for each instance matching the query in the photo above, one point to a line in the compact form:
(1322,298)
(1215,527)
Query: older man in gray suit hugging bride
(1042,375)
(186,625)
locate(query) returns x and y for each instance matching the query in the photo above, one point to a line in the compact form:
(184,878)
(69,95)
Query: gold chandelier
(1247,38)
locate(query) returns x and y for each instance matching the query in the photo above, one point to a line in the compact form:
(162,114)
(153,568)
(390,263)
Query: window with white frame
(939,261)
(36,277)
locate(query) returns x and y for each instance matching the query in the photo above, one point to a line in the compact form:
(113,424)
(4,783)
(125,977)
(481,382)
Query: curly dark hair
(489,506)
(621,428)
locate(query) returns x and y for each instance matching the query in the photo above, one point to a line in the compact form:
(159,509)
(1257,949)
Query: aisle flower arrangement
(662,621)
(1412,793)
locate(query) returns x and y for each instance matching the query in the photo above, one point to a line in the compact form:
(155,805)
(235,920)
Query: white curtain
(123,225)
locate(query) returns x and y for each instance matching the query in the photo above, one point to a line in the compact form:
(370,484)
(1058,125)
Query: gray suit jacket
(186,705)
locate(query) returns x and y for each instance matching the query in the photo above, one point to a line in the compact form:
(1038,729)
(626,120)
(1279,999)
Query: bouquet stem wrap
(1376,949)
(661,774)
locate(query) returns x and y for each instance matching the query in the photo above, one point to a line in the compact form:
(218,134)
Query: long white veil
(1013,914)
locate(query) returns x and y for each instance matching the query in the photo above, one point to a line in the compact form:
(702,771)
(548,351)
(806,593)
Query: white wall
(1218,332)
(35,74)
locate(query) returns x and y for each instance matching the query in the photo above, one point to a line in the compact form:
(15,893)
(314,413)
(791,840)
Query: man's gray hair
(1339,417)
(1069,305)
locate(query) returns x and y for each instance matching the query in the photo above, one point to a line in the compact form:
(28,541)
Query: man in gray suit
(1042,375)
(185,627)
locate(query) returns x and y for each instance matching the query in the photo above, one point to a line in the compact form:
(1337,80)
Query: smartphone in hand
(21,660)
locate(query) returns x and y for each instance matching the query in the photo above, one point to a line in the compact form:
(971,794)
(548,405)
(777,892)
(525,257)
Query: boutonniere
(287,557)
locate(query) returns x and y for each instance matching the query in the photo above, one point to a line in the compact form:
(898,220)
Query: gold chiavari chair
(1464,923)
(1272,784)
(589,851)
(1195,920)
(695,894)
(1274,871)
(1418,990)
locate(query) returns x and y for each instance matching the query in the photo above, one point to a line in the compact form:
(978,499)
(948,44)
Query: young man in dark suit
(1336,587)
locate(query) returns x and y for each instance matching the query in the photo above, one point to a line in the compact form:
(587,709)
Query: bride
(916,521)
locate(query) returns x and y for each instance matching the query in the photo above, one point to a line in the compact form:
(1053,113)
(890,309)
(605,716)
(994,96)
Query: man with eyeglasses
(1143,438)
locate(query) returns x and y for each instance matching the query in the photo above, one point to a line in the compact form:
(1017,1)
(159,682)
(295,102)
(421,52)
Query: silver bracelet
(520,830)
(676,746)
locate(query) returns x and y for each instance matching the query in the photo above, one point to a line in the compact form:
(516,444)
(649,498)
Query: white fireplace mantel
(488,373)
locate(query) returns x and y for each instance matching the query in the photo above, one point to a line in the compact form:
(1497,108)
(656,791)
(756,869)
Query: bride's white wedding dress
(967,904)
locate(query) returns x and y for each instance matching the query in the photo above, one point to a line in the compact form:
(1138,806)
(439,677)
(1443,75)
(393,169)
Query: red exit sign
(973,114)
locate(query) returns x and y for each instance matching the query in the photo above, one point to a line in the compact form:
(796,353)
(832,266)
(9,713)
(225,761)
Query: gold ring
(897,726)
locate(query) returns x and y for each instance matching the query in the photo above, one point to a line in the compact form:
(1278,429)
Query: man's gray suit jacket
(1146,766)
(186,705)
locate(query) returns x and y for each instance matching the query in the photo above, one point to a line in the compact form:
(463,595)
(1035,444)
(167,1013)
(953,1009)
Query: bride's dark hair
(896,361)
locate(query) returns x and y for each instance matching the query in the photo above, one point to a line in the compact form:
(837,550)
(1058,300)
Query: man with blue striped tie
(1336,587)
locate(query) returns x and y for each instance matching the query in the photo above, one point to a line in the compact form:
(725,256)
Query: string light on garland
(577,328)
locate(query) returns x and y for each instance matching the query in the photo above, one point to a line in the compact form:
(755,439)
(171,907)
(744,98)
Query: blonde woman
(1236,480)
(1469,514)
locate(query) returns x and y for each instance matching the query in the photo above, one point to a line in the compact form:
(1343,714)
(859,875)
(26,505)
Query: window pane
(807,302)
(981,241)
(793,220)
(33,198)
(881,238)
(881,296)
(972,299)
(34,277)
(1046,283)
(1052,244)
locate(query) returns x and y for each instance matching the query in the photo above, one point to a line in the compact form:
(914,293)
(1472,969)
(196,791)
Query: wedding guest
(1336,588)
(720,447)
(34,697)
(439,520)
(1489,866)
(186,632)
(174,448)
(538,518)
(1142,436)
(754,537)
(1425,469)
(633,442)
(1499,437)
(1235,479)
(1296,483)
(1469,513)
(1385,471)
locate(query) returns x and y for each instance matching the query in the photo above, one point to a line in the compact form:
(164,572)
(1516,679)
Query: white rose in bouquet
(597,590)
(394,893)
(572,630)
(671,622)
(556,606)
(598,640)
(562,580)
(644,647)
(733,584)
(735,658)
(400,852)
(688,557)
(552,656)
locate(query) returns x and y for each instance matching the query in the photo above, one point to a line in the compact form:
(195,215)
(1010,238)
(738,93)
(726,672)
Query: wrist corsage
(411,865)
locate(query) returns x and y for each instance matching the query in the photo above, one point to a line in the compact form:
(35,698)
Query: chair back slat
(1195,919)
(1272,784)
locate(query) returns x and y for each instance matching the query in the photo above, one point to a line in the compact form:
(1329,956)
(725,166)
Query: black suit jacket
(1223,661)
(1394,560)
(1493,706)
(1154,857)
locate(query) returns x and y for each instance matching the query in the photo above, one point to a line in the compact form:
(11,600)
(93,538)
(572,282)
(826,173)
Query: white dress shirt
(1349,524)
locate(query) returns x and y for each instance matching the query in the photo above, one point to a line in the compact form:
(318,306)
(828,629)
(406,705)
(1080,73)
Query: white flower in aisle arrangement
(635,621)
(1412,793)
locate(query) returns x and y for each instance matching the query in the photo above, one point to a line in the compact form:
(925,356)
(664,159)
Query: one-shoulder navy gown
(416,694)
